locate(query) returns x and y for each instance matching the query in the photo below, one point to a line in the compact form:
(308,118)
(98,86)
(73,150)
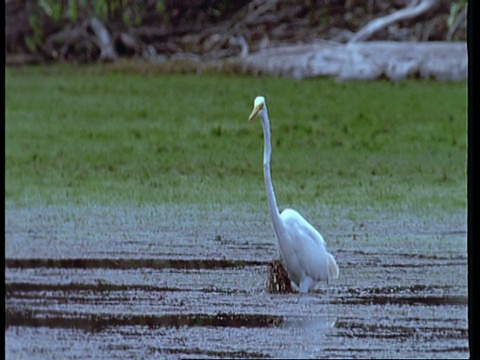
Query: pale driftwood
(57,45)
(407,13)
(363,60)
(462,17)
(256,9)
(104,40)
(257,25)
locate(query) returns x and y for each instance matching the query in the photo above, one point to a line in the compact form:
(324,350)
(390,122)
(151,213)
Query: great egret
(302,248)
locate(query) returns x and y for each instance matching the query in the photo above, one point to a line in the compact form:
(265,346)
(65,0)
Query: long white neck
(267,153)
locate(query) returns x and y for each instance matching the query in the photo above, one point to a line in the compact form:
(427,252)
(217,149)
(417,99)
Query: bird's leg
(328,295)
(305,284)
(303,288)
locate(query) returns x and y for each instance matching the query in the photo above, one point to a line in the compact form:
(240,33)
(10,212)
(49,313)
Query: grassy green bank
(84,135)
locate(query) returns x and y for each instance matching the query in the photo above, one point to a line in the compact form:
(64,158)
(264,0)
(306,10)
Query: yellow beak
(255,112)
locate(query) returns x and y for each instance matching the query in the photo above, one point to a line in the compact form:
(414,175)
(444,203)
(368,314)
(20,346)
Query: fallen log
(104,40)
(445,61)
(380,23)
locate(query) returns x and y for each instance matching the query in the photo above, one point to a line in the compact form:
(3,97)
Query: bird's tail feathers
(333,270)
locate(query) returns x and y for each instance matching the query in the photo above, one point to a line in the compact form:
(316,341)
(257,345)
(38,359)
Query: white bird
(302,248)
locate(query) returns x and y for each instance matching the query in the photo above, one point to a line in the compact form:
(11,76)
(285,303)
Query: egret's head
(258,106)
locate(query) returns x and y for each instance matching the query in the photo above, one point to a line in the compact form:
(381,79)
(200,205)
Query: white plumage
(302,248)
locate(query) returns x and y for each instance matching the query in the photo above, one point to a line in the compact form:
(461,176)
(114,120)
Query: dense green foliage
(85,135)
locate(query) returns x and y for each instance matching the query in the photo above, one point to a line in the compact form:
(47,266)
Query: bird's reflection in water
(320,323)
(278,282)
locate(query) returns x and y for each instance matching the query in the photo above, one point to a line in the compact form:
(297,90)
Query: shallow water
(110,283)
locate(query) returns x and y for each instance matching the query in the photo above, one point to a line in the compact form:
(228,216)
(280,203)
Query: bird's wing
(306,245)
(294,219)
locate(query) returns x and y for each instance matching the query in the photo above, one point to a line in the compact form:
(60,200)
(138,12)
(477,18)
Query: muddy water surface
(190,283)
